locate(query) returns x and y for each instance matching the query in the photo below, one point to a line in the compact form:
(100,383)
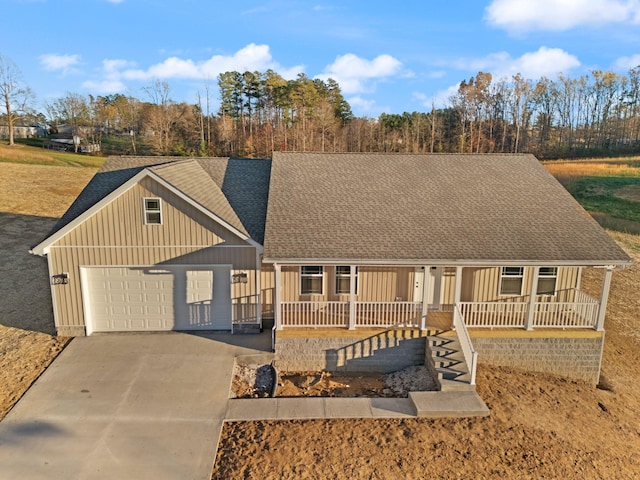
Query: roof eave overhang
(448,262)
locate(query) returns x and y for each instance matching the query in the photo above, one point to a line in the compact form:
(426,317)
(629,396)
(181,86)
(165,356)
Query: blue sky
(387,56)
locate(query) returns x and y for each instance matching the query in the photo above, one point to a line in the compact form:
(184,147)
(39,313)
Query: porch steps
(445,357)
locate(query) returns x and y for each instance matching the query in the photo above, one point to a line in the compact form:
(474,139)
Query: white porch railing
(314,314)
(580,313)
(494,314)
(336,314)
(388,314)
(470,355)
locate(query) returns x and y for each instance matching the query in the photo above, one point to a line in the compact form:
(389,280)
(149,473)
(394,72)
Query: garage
(157,298)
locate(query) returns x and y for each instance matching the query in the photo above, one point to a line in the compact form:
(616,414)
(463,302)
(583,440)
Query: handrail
(470,355)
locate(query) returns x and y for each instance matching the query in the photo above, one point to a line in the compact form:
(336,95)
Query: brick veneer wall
(382,352)
(572,355)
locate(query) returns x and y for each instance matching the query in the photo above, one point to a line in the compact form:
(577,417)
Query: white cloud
(544,62)
(252,57)
(63,63)
(355,74)
(441,98)
(558,15)
(104,86)
(627,63)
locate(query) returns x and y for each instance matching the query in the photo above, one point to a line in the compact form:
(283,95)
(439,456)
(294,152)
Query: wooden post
(425,298)
(276,307)
(533,291)
(457,292)
(604,298)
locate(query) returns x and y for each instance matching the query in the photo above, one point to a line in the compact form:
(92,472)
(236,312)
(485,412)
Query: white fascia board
(448,263)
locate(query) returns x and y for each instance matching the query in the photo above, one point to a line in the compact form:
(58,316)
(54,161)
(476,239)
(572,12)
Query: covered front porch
(521,297)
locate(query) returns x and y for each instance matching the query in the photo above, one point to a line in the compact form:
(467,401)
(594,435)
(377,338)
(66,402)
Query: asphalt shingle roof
(381,207)
(395,207)
(235,190)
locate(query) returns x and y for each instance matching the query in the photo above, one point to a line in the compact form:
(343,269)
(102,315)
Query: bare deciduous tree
(15,94)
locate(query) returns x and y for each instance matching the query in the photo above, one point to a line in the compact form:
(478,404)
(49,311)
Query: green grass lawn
(22,153)
(609,189)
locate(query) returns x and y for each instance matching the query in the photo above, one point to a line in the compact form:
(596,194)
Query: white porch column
(531,308)
(258,288)
(352,297)
(276,300)
(425,297)
(457,292)
(604,298)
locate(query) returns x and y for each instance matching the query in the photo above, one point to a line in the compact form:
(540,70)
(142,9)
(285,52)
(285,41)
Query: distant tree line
(261,112)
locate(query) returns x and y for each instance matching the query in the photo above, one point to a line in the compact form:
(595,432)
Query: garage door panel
(138,299)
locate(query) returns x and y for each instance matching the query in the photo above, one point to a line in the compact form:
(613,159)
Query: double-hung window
(547,277)
(511,281)
(343,280)
(152,211)
(311,280)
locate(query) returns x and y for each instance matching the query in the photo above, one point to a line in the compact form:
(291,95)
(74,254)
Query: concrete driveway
(125,406)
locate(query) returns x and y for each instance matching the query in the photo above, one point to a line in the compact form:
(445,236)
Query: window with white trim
(511,279)
(152,211)
(547,277)
(343,279)
(311,280)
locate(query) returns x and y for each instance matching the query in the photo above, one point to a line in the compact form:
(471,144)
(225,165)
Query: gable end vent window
(152,211)
(511,280)
(311,280)
(547,277)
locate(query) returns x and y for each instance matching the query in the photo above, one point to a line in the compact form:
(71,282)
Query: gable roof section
(189,177)
(436,209)
(200,181)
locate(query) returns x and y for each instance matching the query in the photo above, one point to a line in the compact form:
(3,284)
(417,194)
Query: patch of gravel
(410,379)
(256,381)
(252,381)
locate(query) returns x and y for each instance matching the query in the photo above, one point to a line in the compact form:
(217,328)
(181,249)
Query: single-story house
(338,248)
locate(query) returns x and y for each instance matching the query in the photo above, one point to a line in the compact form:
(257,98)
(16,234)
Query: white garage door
(121,299)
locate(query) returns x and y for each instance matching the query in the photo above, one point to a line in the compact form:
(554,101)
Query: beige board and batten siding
(117,236)
(483,285)
(479,284)
(375,284)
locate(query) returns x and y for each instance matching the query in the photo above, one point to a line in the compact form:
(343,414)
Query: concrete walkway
(152,406)
(125,406)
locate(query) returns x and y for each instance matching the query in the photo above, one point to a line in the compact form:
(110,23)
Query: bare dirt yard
(32,197)
(540,426)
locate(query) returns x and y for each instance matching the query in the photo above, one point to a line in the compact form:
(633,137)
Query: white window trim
(316,275)
(502,275)
(145,210)
(555,283)
(335,280)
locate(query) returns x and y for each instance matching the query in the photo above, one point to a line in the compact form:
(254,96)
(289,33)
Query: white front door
(434,292)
